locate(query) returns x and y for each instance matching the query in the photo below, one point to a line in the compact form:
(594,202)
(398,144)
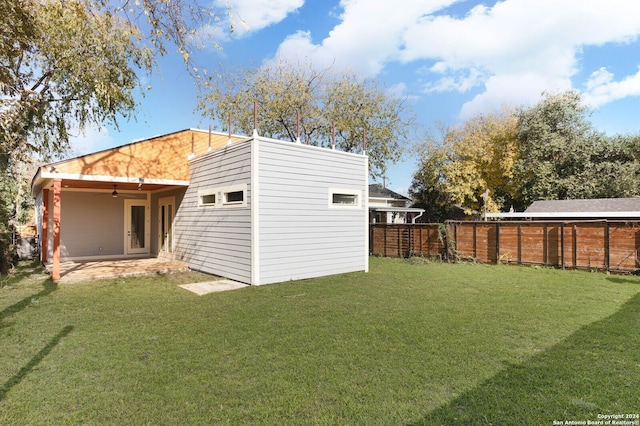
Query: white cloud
(512,90)
(510,51)
(253,15)
(602,89)
(368,36)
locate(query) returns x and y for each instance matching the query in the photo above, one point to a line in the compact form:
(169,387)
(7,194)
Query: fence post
(497,243)
(606,247)
(519,244)
(384,237)
(575,249)
(562,244)
(475,243)
(545,241)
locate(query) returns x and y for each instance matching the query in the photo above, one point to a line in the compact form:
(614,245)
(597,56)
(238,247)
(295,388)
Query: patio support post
(55,272)
(44,237)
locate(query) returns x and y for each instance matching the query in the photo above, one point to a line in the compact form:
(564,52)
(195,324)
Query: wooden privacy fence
(605,245)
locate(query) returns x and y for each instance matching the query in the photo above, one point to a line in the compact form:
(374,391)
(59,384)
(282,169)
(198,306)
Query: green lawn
(410,342)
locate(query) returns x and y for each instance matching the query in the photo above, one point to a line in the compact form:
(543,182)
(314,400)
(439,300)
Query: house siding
(87,228)
(216,240)
(300,235)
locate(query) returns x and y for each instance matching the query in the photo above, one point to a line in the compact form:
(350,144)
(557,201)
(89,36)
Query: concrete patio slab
(85,271)
(213,286)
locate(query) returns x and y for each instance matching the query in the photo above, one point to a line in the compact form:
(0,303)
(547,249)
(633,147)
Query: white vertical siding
(216,240)
(300,235)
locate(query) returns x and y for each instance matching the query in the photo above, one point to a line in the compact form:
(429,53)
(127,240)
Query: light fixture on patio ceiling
(114,194)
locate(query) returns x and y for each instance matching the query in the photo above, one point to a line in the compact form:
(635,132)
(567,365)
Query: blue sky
(451,59)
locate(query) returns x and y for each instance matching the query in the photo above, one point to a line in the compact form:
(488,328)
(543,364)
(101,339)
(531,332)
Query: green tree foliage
(474,157)
(544,152)
(320,101)
(556,143)
(563,157)
(428,192)
(68,64)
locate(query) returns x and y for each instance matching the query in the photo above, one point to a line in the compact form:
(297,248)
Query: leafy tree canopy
(475,157)
(320,101)
(543,152)
(65,64)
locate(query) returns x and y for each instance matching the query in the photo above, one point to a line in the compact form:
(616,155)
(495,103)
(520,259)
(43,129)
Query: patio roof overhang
(44,179)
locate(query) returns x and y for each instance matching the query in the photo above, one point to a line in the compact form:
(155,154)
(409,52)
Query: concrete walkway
(213,286)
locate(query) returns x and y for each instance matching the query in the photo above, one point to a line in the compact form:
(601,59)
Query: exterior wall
(91,224)
(299,235)
(216,239)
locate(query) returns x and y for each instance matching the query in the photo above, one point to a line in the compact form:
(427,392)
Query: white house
(387,206)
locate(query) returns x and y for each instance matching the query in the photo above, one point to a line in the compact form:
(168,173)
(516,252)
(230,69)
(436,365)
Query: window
(207,200)
(207,197)
(227,196)
(344,198)
(234,197)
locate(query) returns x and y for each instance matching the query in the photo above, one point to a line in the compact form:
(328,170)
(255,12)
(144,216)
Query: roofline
(397,209)
(601,214)
(137,141)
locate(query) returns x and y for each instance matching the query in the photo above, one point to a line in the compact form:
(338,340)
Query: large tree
(547,151)
(475,160)
(556,144)
(68,64)
(563,157)
(299,101)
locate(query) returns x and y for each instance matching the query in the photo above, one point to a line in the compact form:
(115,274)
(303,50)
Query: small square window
(234,197)
(207,200)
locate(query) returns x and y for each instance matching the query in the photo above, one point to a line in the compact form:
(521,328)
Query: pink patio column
(57,186)
(44,238)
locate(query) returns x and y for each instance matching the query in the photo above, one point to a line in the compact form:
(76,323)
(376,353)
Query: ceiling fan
(116,194)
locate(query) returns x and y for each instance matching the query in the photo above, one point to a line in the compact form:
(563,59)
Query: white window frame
(205,192)
(345,191)
(221,194)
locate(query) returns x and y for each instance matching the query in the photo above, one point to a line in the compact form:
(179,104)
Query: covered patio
(116,204)
(71,271)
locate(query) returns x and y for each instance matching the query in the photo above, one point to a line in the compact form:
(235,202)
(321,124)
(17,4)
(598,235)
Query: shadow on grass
(49,287)
(595,370)
(23,269)
(20,375)
(622,280)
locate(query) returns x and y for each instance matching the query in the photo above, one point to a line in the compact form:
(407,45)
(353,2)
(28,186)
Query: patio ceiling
(121,186)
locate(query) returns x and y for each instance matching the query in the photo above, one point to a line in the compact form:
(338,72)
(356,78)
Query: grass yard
(410,342)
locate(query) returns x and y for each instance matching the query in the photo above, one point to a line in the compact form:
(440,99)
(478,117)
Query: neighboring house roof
(600,208)
(379,191)
(593,205)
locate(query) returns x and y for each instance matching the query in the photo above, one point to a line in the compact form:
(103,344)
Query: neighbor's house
(589,209)
(256,210)
(387,206)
